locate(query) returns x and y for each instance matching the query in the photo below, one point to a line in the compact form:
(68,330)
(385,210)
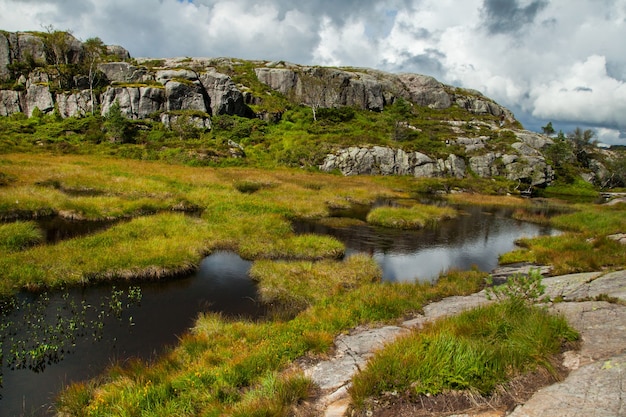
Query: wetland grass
(19,235)
(584,247)
(220,367)
(417,216)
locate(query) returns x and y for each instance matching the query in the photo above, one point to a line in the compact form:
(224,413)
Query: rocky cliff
(57,72)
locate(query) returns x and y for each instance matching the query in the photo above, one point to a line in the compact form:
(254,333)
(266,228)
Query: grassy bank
(476,351)
(585,244)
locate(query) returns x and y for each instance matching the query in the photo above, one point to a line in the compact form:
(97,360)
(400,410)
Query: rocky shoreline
(595,384)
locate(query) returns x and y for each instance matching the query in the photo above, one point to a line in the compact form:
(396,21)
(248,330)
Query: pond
(168,309)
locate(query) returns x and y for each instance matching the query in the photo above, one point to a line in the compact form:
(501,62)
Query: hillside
(86,97)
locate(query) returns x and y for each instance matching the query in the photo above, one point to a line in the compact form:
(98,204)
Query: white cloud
(585,93)
(610,136)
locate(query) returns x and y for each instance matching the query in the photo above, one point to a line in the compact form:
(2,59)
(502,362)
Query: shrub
(519,288)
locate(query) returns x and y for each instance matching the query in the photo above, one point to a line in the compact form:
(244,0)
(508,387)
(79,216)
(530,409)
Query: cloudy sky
(547,60)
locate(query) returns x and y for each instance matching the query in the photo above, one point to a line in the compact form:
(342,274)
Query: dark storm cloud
(506,16)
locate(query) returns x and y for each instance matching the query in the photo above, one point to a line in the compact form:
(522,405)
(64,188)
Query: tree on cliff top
(94,50)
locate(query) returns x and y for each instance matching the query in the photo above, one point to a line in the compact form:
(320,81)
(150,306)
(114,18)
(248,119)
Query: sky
(559,61)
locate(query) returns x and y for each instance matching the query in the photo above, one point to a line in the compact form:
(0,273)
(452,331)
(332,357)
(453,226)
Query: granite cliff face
(32,76)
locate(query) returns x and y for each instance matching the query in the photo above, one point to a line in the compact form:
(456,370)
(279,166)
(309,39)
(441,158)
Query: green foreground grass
(477,350)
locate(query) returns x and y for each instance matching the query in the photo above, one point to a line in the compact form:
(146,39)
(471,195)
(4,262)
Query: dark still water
(168,309)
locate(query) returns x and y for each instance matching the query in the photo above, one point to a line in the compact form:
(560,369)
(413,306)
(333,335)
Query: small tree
(582,142)
(519,288)
(57,45)
(94,50)
(116,124)
(548,129)
(318,91)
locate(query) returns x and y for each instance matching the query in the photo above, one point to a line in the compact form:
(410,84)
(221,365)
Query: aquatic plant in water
(37,332)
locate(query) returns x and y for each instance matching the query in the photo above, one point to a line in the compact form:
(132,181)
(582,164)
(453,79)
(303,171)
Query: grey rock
(280,79)
(135,102)
(483,165)
(525,150)
(119,52)
(426,91)
(163,76)
(5,58)
(74,104)
(123,72)
(455,166)
(352,352)
(534,140)
(9,102)
(185,96)
(38,95)
(28,46)
(593,390)
(588,285)
(471,144)
(224,96)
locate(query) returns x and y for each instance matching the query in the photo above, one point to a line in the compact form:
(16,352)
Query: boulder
(534,140)
(9,102)
(426,91)
(74,104)
(484,165)
(123,72)
(5,58)
(38,95)
(119,52)
(163,76)
(185,96)
(280,79)
(223,95)
(532,170)
(455,166)
(27,46)
(135,102)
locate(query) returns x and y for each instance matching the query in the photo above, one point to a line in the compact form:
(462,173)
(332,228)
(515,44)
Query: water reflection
(477,237)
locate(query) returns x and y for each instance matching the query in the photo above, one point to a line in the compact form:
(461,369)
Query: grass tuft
(477,350)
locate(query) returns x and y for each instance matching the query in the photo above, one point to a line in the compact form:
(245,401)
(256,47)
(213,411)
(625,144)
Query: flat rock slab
(587,285)
(594,390)
(601,325)
(352,351)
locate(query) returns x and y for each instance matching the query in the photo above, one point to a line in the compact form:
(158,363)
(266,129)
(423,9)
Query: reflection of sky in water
(482,251)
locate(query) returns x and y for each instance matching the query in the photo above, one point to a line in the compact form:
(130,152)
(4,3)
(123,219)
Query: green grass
(19,235)
(584,247)
(298,285)
(475,351)
(415,217)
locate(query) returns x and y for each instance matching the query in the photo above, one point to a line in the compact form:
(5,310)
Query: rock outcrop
(523,162)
